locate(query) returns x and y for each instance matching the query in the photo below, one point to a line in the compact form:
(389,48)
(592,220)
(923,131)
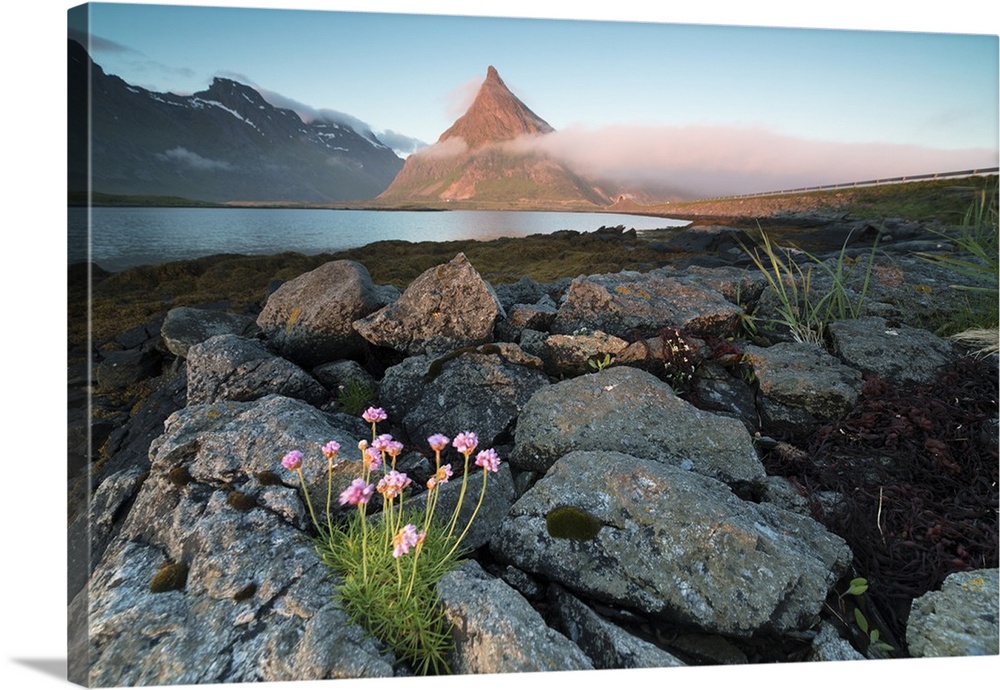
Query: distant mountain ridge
(477,161)
(224,144)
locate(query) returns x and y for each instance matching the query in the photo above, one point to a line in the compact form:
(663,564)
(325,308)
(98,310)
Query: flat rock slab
(897,354)
(631,411)
(671,544)
(627,303)
(805,377)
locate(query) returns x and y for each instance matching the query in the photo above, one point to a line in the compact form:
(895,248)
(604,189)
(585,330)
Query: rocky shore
(734,481)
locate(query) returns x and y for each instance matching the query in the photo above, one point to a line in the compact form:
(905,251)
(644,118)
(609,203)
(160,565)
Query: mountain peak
(495,115)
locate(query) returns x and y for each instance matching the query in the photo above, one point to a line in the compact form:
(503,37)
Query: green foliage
(354,397)
(570,522)
(873,638)
(978,259)
(600,364)
(394,599)
(802,310)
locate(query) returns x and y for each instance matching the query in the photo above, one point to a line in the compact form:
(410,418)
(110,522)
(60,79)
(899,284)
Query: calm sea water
(121,238)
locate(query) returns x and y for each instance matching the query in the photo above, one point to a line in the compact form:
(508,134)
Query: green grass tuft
(415,626)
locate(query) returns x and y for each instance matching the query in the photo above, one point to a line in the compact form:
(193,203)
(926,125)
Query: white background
(33,339)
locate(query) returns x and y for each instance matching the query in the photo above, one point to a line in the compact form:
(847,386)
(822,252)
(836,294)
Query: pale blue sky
(900,103)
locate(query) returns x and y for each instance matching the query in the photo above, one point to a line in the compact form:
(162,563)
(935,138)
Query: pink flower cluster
(373,415)
(357,493)
(331,449)
(488,460)
(372,459)
(466,442)
(406,539)
(438,442)
(392,484)
(292,460)
(442,476)
(386,444)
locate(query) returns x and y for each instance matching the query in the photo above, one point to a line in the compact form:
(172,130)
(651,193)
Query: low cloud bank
(705,161)
(193,160)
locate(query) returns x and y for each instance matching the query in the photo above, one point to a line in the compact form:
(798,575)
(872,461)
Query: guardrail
(869,183)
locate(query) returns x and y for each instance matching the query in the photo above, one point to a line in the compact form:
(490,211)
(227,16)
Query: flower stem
(472,517)
(364,542)
(461,496)
(305,490)
(329,495)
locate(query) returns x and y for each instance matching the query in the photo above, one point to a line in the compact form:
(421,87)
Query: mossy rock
(170,578)
(570,522)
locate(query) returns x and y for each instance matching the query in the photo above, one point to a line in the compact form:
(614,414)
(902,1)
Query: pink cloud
(715,160)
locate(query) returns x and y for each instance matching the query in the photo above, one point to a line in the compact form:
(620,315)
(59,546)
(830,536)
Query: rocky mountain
(481,160)
(226,143)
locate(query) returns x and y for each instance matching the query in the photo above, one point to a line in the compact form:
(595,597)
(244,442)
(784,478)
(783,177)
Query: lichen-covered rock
(626,303)
(608,645)
(631,411)
(247,598)
(802,385)
(580,353)
(897,354)
(122,368)
(446,307)
(961,619)
(481,389)
(228,367)
(497,631)
(526,316)
(674,545)
(310,319)
(187,326)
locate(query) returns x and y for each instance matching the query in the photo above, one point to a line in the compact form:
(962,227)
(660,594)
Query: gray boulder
(228,367)
(801,385)
(526,316)
(234,442)
(897,354)
(828,645)
(631,411)
(622,304)
(498,497)
(961,619)
(310,319)
(527,290)
(481,389)
(497,631)
(608,645)
(446,307)
(211,578)
(345,376)
(122,368)
(187,326)
(672,544)
(571,355)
